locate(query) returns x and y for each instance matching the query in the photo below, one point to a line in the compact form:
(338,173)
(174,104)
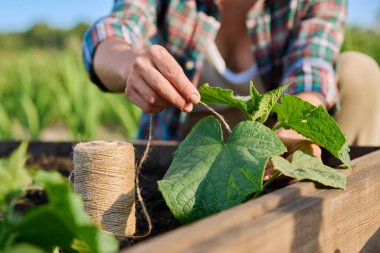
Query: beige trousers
(359,86)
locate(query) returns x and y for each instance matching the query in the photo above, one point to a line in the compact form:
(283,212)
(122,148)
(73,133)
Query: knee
(359,73)
(352,59)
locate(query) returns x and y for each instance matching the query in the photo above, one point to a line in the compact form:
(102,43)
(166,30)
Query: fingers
(145,106)
(151,96)
(268,173)
(144,98)
(302,145)
(294,141)
(163,87)
(289,137)
(306,146)
(156,82)
(173,72)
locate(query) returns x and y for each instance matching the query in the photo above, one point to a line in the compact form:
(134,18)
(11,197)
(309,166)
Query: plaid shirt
(292,41)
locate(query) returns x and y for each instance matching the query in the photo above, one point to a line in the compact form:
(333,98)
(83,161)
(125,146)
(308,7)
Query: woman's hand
(157,80)
(151,78)
(293,142)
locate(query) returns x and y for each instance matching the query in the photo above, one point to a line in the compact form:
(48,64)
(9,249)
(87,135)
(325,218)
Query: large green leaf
(264,103)
(63,221)
(219,96)
(314,123)
(13,177)
(208,175)
(305,166)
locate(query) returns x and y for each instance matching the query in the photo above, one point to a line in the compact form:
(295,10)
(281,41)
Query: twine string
(138,191)
(219,116)
(138,170)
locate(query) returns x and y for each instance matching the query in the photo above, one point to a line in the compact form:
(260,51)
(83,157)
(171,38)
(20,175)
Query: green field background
(45,93)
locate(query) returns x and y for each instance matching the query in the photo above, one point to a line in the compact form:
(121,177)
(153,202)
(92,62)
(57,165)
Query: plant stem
(268,182)
(247,115)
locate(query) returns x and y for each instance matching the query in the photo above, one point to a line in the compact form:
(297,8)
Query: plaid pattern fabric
(292,41)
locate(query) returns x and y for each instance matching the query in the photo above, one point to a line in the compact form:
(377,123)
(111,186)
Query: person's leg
(359,86)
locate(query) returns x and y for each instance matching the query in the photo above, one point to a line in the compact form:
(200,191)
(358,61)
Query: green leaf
(254,100)
(5,126)
(266,102)
(62,222)
(255,107)
(31,116)
(254,93)
(208,175)
(314,123)
(219,96)
(13,176)
(305,166)
(24,247)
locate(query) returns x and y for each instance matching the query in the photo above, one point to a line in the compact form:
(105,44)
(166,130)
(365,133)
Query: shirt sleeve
(133,21)
(314,46)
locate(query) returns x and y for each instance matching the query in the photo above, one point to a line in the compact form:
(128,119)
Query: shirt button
(189,65)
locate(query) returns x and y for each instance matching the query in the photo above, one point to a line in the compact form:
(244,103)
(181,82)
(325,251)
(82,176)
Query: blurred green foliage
(41,36)
(361,40)
(45,92)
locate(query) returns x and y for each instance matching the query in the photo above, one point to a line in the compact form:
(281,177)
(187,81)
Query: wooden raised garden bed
(302,217)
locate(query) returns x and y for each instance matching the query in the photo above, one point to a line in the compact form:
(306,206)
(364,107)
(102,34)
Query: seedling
(209,175)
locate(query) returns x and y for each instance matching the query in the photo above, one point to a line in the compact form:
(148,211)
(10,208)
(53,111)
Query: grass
(43,89)
(364,41)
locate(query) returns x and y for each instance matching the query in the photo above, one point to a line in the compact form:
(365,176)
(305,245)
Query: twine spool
(104,175)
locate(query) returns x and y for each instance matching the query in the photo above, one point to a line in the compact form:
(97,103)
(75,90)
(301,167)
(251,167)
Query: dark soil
(162,219)
(63,165)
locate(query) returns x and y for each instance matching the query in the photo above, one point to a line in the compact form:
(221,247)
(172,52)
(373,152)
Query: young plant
(62,222)
(209,175)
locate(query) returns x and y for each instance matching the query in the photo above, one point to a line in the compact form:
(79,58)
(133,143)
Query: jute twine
(219,116)
(105,177)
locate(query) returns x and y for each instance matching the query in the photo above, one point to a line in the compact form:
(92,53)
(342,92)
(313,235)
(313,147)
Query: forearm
(113,62)
(151,78)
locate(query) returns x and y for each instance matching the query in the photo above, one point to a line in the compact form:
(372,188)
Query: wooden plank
(297,218)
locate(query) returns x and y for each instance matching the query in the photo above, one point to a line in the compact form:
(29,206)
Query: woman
(158,51)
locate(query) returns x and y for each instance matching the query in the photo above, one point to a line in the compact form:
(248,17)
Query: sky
(19,15)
